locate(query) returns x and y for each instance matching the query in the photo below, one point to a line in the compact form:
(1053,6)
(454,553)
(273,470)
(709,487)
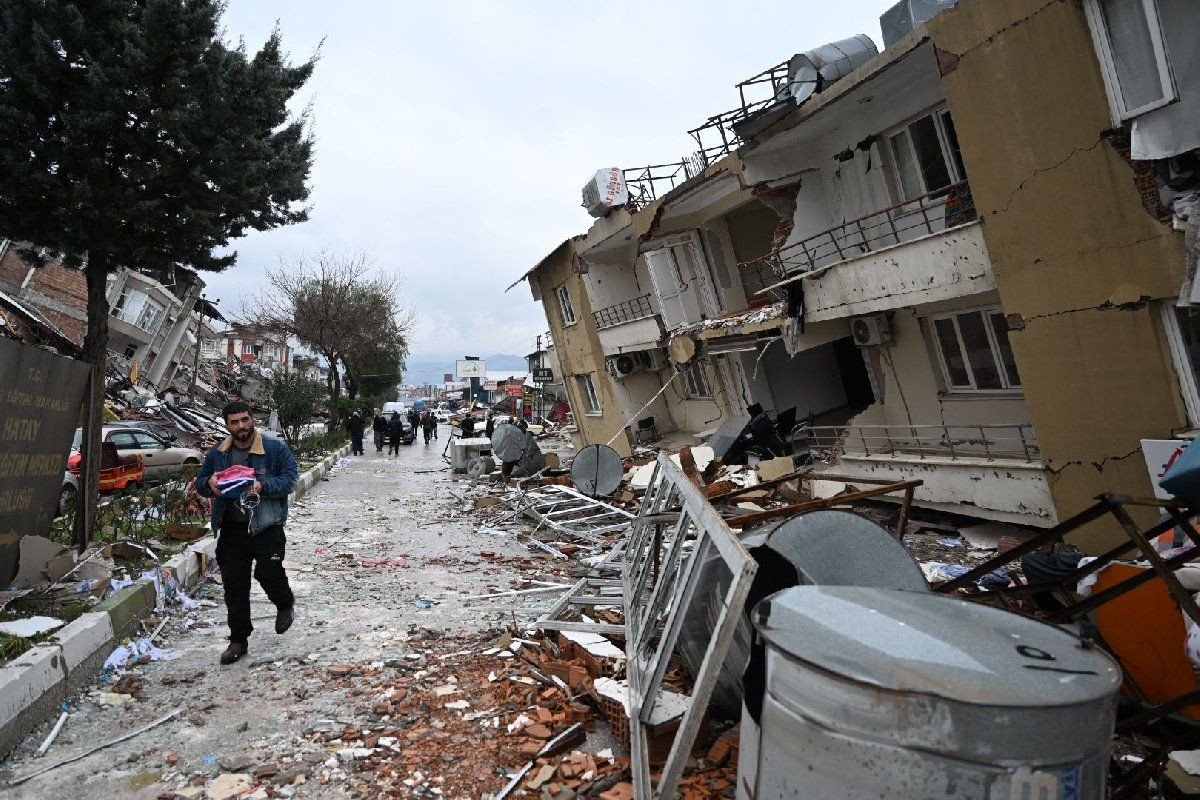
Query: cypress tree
(132,135)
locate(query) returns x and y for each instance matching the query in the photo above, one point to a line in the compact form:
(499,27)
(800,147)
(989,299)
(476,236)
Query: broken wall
(1074,253)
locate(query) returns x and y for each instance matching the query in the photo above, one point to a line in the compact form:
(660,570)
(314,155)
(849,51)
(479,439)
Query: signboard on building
(470,369)
(543,375)
(447,377)
(1160,454)
(514,389)
(39,409)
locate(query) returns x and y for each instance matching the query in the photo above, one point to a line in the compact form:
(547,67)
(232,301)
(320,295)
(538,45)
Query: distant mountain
(419,373)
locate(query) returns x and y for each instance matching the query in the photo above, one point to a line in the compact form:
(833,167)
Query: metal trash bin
(462,450)
(879,693)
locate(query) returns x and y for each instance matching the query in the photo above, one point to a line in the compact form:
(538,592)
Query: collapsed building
(968,259)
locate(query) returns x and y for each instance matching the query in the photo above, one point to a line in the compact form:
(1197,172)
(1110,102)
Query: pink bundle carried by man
(234,481)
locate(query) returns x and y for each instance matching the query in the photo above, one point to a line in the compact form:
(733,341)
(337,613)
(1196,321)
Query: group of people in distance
(390,430)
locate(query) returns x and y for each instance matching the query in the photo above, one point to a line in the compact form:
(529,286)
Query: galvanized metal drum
(879,693)
(828,548)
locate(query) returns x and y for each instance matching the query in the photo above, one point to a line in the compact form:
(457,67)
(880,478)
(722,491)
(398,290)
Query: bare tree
(334,303)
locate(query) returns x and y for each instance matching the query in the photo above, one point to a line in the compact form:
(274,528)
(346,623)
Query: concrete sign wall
(40,393)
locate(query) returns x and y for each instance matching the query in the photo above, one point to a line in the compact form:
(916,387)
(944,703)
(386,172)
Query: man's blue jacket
(275,468)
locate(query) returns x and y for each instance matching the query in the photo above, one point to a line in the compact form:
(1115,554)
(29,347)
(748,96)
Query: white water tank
(882,693)
(605,191)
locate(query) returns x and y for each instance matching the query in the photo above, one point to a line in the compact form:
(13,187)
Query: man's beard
(244,436)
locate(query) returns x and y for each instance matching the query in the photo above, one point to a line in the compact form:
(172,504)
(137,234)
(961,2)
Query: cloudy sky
(453,138)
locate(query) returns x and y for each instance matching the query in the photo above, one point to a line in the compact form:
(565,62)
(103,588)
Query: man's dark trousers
(356,442)
(236,551)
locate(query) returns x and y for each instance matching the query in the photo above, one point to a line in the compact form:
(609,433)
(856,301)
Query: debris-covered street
(376,559)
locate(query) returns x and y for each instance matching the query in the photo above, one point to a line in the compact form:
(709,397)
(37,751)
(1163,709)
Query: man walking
(395,433)
(380,428)
(249,520)
(356,426)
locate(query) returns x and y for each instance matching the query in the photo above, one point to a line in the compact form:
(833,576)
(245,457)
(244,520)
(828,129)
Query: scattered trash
(138,650)
(30,626)
(423,604)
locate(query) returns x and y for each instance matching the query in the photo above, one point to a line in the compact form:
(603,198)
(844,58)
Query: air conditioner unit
(623,365)
(869,331)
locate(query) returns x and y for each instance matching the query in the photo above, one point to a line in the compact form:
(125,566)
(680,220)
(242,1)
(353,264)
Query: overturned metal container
(878,693)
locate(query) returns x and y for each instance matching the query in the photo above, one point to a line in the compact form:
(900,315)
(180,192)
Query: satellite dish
(597,470)
(508,443)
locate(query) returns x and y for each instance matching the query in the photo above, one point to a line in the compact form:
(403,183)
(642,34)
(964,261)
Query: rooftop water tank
(605,191)
(817,69)
(879,693)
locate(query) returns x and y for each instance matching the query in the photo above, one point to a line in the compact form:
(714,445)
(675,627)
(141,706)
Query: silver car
(161,459)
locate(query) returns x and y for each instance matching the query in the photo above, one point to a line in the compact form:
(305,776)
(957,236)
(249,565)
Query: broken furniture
(1161,722)
(899,694)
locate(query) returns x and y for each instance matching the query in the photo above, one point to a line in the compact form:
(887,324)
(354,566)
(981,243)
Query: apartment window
(1183,334)
(271,351)
(974,351)
(587,389)
(696,382)
(564,303)
(130,351)
(208,345)
(134,307)
(247,349)
(925,155)
(1132,56)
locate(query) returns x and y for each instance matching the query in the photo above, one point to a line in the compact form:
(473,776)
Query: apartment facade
(250,344)
(961,259)
(156,318)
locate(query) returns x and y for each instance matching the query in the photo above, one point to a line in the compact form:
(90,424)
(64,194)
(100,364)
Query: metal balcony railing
(647,184)
(1011,441)
(627,311)
(934,212)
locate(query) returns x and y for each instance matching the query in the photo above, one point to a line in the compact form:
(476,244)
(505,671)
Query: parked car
(117,471)
(161,460)
(442,415)
(161,431)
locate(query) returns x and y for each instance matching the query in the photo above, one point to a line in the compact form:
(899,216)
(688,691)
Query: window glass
(564,301)
(149,315)
(146,441)
(589,394)
(130,350)
(1000,330)
(947,339)
(929,154)
(906,168)
(952,146)
(979,351)
(122,440)
(247,349)
(1132,49)
(1189,332)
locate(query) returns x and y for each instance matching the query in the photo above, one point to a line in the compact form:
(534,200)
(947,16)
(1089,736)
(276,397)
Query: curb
(33,685)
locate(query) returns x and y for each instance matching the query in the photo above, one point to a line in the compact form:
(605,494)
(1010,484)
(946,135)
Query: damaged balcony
(628,326)
(995,469)
(923,250)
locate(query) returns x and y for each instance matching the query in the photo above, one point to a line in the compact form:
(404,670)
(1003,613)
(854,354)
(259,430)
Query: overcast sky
(452,139)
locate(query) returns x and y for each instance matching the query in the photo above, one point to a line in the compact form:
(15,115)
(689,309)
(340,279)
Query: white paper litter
(31,626)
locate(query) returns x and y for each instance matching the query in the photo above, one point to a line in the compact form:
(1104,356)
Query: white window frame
(208,345)
(271,351)
(1108,68)
(565,306)
(248,348)
(591,399)
(1006,386)
(696,385)
(1188,387)
(149,315)
(938,115)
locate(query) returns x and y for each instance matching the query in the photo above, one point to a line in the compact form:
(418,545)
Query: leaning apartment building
(966,259)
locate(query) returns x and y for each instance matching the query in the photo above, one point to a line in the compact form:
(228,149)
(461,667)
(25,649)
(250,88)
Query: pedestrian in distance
(490,427)
(428,425)
(379,426)
(467,426)
(248,514)
(355,426)
(395,433)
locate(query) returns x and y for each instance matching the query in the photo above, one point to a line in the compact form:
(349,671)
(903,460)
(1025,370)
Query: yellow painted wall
(1072,248)
(578,347)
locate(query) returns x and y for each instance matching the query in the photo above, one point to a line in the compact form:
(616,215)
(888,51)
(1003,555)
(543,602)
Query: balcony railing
(647,184)
(1013,441)
(627,311)
(935,212)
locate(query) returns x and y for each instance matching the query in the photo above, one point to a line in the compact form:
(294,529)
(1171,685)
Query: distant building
(248,343)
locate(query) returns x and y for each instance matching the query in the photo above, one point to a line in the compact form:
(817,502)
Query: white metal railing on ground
(1015,441)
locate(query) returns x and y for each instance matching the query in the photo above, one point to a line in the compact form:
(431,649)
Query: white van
(388,408)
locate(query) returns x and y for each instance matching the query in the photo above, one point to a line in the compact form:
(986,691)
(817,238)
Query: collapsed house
(912,269)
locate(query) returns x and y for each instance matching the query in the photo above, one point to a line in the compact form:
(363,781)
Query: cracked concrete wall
(1074,253)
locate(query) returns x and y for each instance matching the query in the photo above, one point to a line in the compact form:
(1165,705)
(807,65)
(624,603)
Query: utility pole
(541,406)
